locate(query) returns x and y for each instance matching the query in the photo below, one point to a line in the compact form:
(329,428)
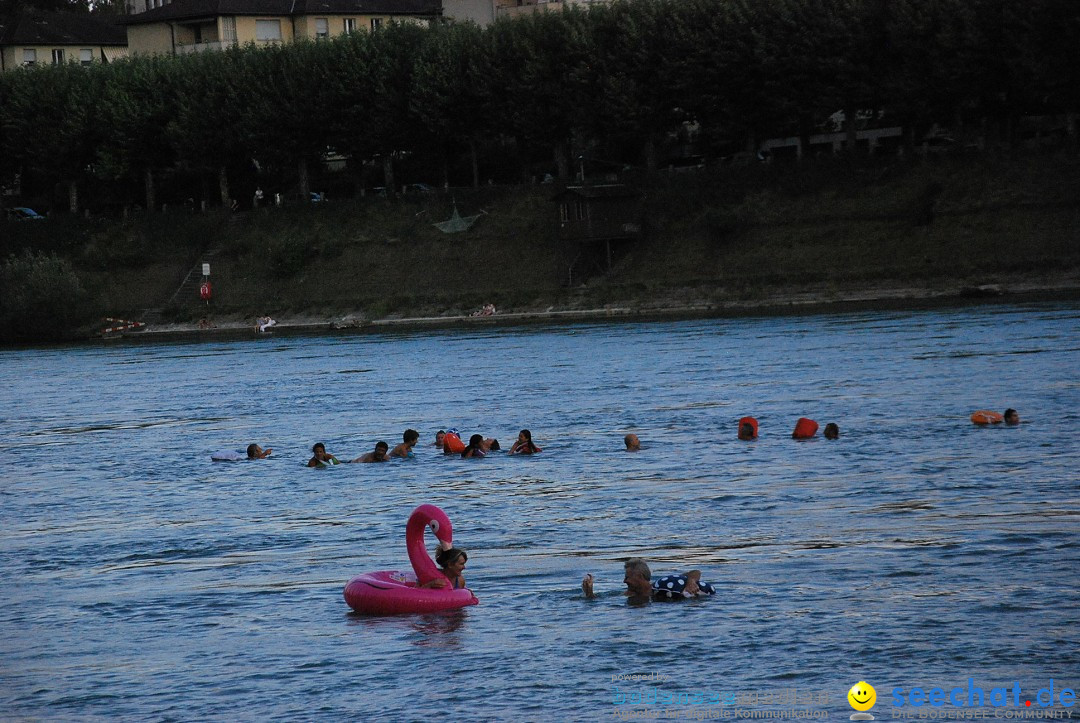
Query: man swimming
(321,458)
(376,455)
(409,440)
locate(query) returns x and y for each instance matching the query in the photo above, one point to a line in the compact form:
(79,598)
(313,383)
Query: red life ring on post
(206,291)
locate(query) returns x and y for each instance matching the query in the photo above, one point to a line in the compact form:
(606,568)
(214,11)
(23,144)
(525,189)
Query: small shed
(594,224)
(596,213)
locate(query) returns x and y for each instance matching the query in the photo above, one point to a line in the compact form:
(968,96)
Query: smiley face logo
(862,696)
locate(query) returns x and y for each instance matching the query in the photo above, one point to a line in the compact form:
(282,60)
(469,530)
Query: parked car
(419,188)
(21,213)
(317,196)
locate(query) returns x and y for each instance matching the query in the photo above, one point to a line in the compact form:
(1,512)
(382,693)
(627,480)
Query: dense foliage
(618,81)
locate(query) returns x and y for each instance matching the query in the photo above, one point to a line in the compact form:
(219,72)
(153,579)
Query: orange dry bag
(984,416)
(452,444)
(804,428)
(753,423)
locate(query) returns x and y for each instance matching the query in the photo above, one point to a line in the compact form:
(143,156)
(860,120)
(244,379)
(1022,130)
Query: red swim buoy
(753,423)
(804,428)
(985,416)
(206,291)
(452,444)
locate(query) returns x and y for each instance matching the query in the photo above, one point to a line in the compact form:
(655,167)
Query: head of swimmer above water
(1011,417)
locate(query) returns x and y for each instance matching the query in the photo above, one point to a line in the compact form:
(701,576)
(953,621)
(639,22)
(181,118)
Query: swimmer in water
(746,431)
(254,451)
(452,562)
(633,444)
(1011,417)
(475,447)
(524,444)
(321,458)
(377,455)
(832,431)
(409,440)
(439,438)
(490,445)
(637,577)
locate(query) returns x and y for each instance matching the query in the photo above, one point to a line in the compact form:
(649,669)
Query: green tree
(51,122)
(138,102)
(43,298)
(451,96)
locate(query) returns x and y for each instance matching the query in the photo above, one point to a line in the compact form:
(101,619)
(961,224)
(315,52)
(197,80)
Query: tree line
(619,79)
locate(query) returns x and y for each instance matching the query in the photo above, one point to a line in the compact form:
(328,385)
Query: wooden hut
(593,223)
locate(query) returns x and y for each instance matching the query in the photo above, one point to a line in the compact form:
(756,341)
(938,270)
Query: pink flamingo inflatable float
(388,592)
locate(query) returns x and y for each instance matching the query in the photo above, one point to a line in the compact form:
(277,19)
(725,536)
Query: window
(58,56)
(29,56)
(350,25)
(86,56)
(322,28)
(376,23)
(267,30)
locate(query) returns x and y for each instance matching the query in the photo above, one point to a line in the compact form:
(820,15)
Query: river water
(143,581)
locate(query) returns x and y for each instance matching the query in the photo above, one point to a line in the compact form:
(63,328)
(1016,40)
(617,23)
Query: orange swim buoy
(753,423)
(985,416)
(804,428)
(452,444)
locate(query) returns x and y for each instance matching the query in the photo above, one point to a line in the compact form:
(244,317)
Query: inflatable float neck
(423,518)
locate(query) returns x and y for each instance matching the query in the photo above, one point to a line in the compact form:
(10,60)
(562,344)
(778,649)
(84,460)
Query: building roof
(613,190)
(192,9)
(37,27)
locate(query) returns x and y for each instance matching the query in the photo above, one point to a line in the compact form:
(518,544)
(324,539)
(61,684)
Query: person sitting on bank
(475,447)
(832,431)
(405,450)
(321,458)
(524,444)
(376,455)
(254,451)
(633,444)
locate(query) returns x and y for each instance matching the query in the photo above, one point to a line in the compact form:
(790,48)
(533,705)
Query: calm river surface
(142,581)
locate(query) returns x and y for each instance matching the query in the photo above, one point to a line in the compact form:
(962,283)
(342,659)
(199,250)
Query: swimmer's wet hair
(638,566)
(447,557)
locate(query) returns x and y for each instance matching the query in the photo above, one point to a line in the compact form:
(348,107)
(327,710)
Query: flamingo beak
(445,544)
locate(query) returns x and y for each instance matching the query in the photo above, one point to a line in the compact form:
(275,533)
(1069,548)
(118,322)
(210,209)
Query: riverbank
(725,240)
(790,301)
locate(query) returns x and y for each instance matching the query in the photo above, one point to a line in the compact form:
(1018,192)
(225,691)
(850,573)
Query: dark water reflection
(146,582)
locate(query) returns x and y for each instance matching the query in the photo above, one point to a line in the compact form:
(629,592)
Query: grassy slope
(736,234)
